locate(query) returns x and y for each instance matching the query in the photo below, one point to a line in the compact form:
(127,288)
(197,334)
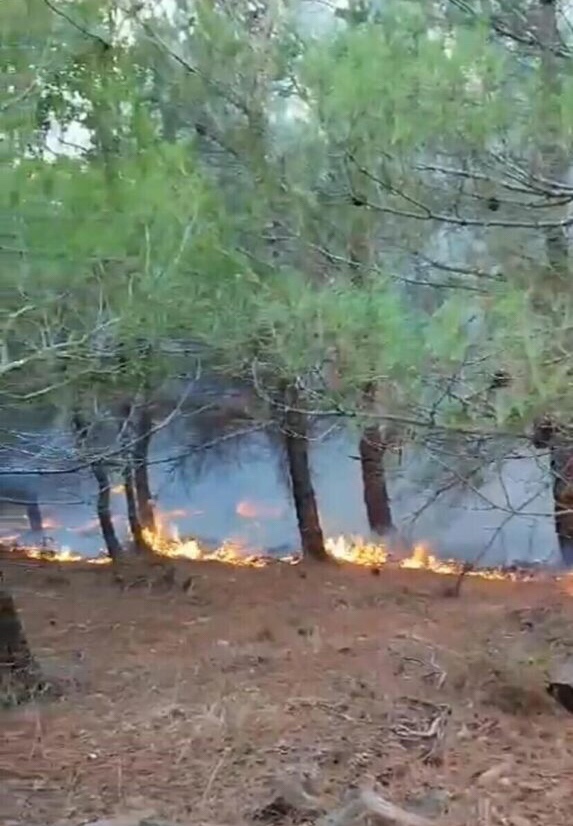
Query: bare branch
(78,26)
(426,213)
(526,37)
(340,412)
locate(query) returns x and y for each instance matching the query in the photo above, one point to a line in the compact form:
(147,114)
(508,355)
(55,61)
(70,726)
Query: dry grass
(194,703)
(510,676)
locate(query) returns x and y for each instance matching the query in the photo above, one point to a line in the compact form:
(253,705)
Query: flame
(51,525)
(256,510)
(371,555)
(230,553)
(165,542)
(357,552)
(64,555)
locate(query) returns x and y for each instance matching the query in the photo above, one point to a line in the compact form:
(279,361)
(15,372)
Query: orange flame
(255,510)
(357,552)
(166,542)
(64,555)
(230,553)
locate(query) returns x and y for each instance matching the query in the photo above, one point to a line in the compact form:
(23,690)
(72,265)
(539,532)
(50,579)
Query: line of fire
(164,541)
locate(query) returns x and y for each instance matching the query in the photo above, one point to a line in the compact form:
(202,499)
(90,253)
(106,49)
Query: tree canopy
(388,194)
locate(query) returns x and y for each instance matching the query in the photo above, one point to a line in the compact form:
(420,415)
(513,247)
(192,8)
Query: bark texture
(376,499)
(143,428)
(548,435)
(103,506)
(295,427)
(127,439)
(372,448)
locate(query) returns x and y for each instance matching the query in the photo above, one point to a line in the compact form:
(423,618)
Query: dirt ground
(205,702)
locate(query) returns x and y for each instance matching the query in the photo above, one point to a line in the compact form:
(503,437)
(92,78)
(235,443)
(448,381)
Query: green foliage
(200,207)
(404,86)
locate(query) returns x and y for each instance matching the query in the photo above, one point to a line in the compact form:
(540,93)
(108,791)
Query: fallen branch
(432,734)
(434,671)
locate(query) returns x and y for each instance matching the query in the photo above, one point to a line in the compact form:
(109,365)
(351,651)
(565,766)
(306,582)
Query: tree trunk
(376,499)
(295,433)
(143,428)
(562,472)
(127,441)
(131,507)
(548,435)
(20,675)
(35,518)
(372,449)
(103,506)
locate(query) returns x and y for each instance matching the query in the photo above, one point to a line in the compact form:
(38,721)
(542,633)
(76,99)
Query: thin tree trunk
(103,507)
(296,443)
(34,514)
(131,507)
(127,440)
(562,472)
(372,449)
(143,428)
(548,435)
(20,675)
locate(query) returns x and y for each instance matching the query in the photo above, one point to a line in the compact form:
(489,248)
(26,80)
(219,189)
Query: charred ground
(206,693)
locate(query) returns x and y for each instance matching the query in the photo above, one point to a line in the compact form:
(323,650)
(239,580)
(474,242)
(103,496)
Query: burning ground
(166,542)
(207,695)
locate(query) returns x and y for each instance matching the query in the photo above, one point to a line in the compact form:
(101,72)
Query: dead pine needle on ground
(204,697)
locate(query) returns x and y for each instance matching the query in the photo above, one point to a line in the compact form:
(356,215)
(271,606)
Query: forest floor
(208,705)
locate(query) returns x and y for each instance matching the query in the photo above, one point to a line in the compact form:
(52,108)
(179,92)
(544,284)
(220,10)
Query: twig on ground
(432,734)
(407,635)
(434,671)
(214,772)
(335,708)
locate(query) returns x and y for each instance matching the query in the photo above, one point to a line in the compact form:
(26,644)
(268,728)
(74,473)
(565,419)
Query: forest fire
(370,555)
(63,555)
(168,544)
(165,542)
